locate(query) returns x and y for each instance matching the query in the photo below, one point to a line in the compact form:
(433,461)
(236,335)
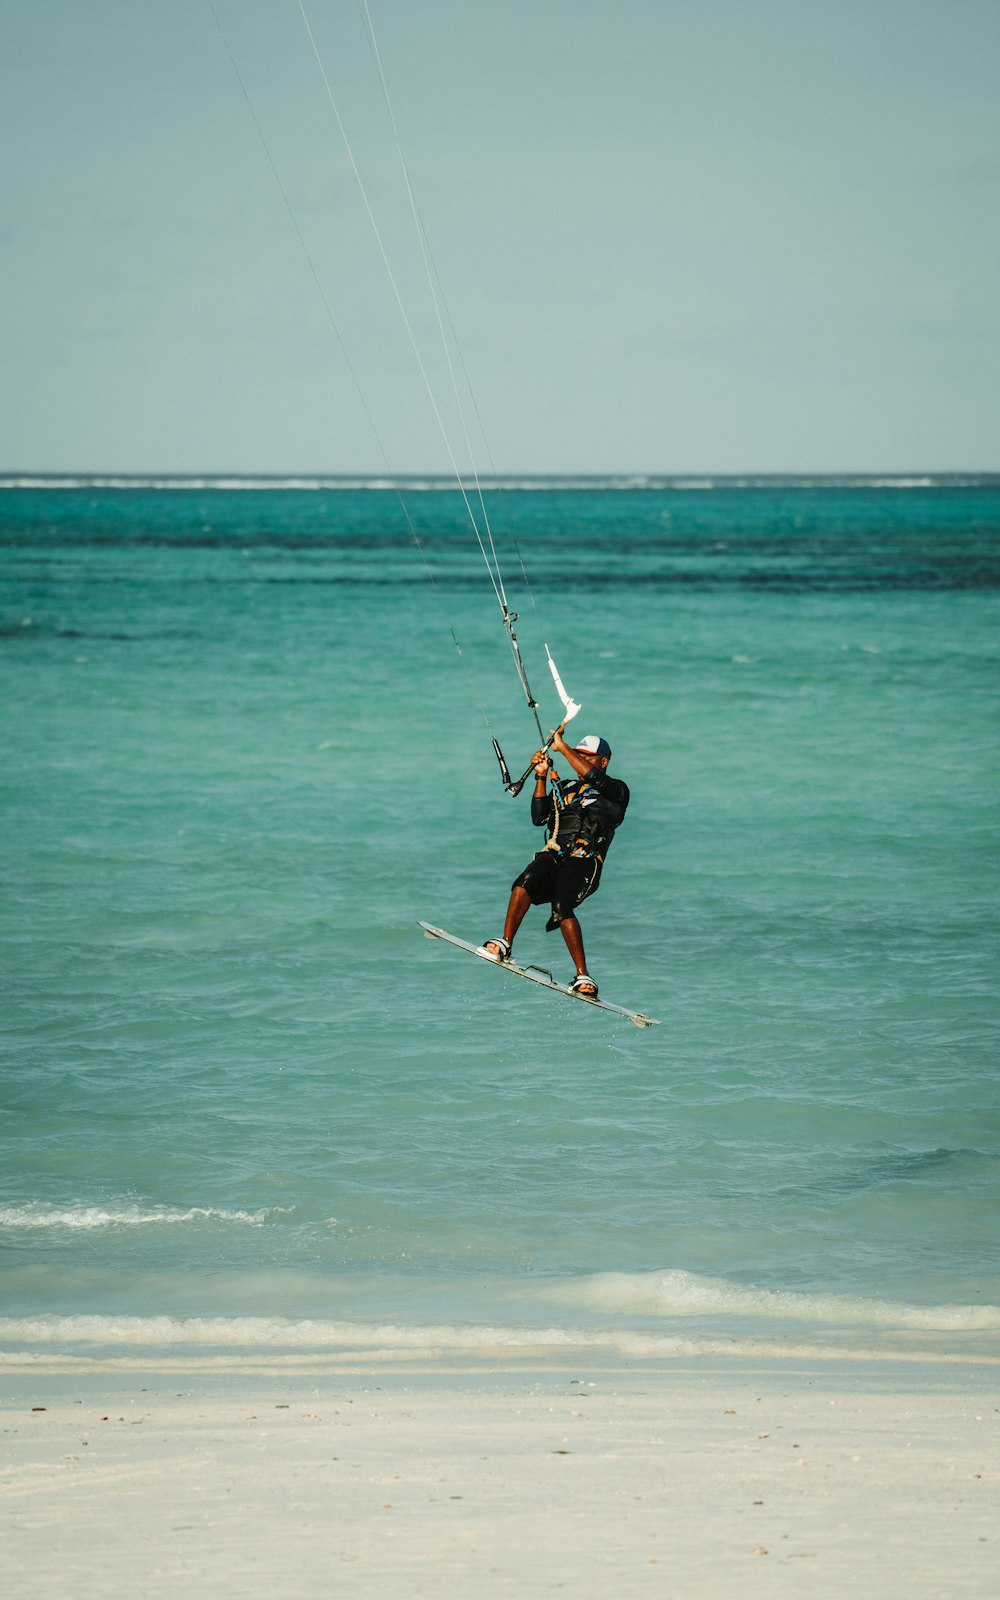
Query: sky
(672,235)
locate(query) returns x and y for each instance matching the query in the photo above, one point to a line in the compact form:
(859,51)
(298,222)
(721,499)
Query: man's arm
(612,788)
(541,800)
(581,767)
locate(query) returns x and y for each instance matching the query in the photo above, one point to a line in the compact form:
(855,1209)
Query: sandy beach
(689,1479)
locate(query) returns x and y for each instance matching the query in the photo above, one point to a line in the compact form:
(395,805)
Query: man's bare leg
(570,930)
(518,907)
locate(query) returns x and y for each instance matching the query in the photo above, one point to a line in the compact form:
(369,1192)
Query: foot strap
(584,985)
(500,953)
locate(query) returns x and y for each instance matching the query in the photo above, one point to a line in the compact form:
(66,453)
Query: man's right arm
(541,800)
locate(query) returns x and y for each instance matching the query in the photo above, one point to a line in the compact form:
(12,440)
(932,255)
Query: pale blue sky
(674,236)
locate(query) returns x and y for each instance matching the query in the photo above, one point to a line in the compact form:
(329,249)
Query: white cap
(593,745)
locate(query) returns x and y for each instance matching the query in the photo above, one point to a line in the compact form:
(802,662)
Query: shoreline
(610,1477)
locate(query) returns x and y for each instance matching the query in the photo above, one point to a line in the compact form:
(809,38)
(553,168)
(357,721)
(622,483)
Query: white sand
(686,1480)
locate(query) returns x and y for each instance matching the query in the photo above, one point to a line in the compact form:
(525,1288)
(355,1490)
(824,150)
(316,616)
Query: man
(581,825)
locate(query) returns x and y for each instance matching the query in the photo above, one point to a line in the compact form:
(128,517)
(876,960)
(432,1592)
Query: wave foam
(218,1341)
(675,1293)
(38,1215)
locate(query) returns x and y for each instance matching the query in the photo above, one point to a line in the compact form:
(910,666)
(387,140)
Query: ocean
(247,1106)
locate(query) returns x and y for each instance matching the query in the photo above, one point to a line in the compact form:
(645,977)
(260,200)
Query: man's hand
(541,763)
(582,764)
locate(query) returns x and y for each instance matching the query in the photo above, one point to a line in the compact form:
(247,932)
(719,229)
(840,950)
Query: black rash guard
(583,824)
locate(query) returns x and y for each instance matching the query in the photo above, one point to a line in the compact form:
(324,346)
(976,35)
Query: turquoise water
(244,1101)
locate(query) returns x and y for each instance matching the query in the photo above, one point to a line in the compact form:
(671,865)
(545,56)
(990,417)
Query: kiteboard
(538,975)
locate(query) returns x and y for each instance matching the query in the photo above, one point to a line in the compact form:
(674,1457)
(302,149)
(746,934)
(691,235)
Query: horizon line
(886,477)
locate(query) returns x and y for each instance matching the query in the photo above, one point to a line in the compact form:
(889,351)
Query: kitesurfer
(581,823)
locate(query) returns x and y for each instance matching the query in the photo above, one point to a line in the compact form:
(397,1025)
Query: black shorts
(562,881)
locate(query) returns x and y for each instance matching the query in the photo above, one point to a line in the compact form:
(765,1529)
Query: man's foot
(496,949)
(584,986)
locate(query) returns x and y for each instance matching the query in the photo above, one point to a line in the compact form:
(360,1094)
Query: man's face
(592,759)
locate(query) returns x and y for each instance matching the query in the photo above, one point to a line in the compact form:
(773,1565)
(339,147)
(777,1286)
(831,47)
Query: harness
(582,827)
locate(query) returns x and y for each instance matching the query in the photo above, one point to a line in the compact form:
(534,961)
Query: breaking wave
(674,1293)
(38,1215)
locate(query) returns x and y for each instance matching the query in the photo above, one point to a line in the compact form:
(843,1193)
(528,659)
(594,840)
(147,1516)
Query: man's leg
(577,879)
(518,907)
(570,930)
